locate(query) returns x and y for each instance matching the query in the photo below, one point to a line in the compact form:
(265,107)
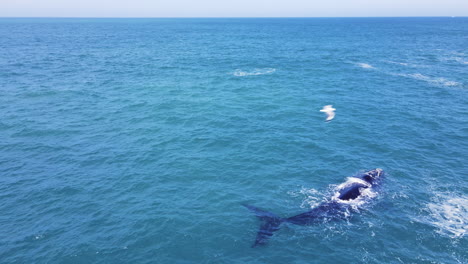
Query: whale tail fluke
(271,223)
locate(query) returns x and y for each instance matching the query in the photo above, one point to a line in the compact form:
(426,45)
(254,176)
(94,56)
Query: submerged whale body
(353,189)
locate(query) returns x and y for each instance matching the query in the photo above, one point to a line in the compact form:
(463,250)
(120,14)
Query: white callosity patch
(262,71)
(449,214)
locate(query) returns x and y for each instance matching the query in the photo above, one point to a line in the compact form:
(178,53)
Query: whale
(356,188)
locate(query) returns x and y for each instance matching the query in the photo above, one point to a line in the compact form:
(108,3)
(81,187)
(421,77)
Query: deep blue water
(137,140)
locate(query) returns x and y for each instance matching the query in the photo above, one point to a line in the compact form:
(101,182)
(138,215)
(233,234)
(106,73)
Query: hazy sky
(231,8)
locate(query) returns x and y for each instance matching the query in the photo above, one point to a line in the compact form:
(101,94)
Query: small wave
(458,53)
(450,215)
(459,60)
(241,73)
(456,59)
(365,66)
(455,56)
(399,63)
(406,64)
(433,80)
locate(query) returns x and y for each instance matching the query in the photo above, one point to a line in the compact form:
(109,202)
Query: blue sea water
(138,140)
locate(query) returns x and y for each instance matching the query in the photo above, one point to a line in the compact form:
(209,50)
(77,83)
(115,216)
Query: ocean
(139,140)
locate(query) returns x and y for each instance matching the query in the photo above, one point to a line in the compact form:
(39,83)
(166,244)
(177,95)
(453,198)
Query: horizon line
(214,17)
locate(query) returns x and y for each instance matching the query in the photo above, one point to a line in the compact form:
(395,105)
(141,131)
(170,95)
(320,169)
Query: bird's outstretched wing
(327,108)
(330,115)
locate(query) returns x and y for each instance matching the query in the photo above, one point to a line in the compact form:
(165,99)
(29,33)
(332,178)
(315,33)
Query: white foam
(432,80)
(450,215)
(366,193)
(312,197)
(261,71)
(365,66)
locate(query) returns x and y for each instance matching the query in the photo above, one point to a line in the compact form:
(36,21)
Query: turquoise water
(138,140)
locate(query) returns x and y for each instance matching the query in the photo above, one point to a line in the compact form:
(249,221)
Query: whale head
(372,176)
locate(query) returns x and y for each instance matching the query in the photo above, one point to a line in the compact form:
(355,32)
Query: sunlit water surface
(138,140)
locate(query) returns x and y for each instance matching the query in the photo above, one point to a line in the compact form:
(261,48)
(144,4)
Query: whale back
(352,191)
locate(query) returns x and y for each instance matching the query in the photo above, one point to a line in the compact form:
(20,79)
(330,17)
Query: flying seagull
(330,111)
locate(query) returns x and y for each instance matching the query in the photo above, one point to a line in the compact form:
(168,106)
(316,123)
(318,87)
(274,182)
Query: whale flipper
(271,224)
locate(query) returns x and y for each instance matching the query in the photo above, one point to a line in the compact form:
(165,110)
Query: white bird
(330,111)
